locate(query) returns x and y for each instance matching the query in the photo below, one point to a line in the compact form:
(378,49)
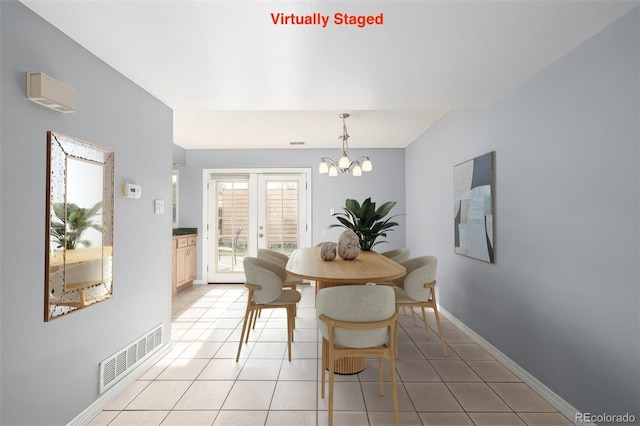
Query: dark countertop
(185,231)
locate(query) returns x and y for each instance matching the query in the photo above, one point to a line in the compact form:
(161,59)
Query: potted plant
(71,222)
(367,222)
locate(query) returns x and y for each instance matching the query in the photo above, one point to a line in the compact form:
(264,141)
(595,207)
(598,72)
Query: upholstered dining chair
(397,255)
(264,279)
(417,289)
(357,320)
(281,259)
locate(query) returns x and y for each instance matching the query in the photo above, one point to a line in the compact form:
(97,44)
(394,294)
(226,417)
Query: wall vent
(49,92)
(114,367)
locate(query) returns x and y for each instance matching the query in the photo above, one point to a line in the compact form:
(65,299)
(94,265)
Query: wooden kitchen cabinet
(184,262)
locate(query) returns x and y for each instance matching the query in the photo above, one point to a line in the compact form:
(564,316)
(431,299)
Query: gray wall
(384,183)
(49,371)
(562,299)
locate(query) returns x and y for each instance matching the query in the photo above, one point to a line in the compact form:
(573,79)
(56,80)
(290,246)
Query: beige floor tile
(260,369)
(190,418)
(372,372)
(221,369)
(545,419)
(273,350)
(456,336)
(159,395)
(154,371)
(347,396)
(431,397)
(493,371)
(229,349)
(416,370)
(139,418)
(300,350)
(470,351)
(409,351)
(292,418)
(477,397)
(496,419)
(241,418)
(295,395)
(344,418)
(446,419)
(103,418)
(299,369)
(183,369)
(128,395)
(205,395)
(455,371)
(433,350)
(375,403)
(521,397)
(213,388)
(216,334)
(201,349)
(250,395)
(386,418)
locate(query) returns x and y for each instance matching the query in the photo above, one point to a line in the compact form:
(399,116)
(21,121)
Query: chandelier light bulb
(324,167)
(367,166)
(344,161)
(333,171)
(357,171)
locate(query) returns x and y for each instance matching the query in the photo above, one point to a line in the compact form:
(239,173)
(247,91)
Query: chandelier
(344,165)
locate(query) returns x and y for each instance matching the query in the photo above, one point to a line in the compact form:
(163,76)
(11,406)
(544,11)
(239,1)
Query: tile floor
(199,382)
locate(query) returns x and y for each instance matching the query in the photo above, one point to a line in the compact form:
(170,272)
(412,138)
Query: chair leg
(444,345)
(397,333)
(413,316)
(252,319)
(290,313)
(244,327)
(394,389)
(382,376)
(426,326)
(324,364)
(331,382)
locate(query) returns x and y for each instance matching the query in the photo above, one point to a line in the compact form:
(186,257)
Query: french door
(247,210)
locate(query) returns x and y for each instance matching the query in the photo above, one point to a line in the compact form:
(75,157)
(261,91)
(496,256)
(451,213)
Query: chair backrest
(397,255)
(420,271)
(273,256)
(270,276)
(234,244)
(356,303)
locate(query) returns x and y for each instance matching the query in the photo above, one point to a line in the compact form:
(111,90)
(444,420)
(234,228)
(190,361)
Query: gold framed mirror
(79,225)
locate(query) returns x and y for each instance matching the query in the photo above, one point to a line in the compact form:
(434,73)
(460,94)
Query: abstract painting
(474,208)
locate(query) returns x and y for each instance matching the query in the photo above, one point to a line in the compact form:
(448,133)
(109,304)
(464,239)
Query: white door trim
(204,263)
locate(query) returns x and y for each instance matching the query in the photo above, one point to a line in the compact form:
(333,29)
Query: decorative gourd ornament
(348,245)
(328,251)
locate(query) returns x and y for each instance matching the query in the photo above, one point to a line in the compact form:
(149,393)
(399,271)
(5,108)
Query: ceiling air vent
(48,92)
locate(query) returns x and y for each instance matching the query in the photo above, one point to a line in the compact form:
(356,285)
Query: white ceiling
(236,80)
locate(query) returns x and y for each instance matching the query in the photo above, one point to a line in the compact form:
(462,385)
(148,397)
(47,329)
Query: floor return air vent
(126,359)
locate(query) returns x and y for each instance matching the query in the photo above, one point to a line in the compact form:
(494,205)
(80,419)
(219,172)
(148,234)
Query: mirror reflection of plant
(366,221)
(67,229)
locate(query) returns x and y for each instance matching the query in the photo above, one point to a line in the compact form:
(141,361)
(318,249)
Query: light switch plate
(158,206)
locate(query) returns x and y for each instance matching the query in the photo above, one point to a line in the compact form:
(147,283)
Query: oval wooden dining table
(368,267)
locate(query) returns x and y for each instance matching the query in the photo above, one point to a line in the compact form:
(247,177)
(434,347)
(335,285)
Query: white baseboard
(105,399)
(550,396)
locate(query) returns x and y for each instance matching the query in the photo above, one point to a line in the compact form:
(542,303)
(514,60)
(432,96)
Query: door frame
(204,260)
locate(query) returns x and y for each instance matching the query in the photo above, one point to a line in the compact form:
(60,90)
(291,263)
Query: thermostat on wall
(130,190)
